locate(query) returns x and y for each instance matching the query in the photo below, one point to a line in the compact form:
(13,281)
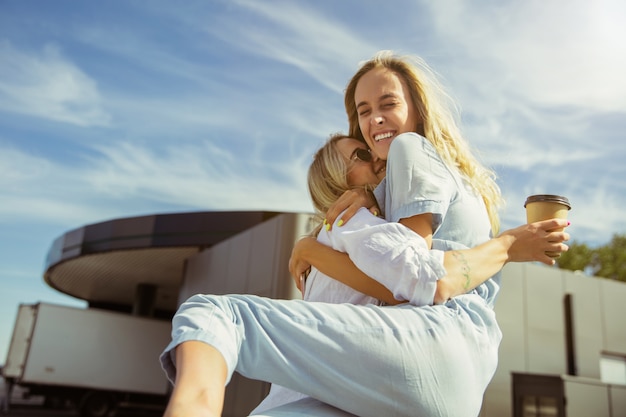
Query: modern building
(563,351)
(564,346)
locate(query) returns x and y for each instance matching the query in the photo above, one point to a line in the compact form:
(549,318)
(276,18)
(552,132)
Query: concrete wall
(530,310)
(252,262)
(590,397)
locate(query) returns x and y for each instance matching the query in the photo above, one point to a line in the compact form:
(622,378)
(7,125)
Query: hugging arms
(383,259)
(368,260)
(420,360)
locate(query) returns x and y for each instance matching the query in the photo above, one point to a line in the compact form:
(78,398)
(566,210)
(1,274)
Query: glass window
(533,406)
(613,369)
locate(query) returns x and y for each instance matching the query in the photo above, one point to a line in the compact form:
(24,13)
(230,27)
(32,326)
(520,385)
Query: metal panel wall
(588,326)
(511,316)
(529,310)
(252,262)
(618,400)
(613,296)
(544,314)
(531,315)
(586,399)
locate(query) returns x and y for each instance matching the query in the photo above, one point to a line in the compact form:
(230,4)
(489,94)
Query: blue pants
(366,360)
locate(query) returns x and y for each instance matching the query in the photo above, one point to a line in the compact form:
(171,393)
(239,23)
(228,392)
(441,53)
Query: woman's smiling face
(360,171)
(385,109)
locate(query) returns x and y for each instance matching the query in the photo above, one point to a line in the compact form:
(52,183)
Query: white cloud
(551,53)
(219,105)
(200,176)
(48,86)
(35,189)
(232,102)
(299,35)
(543,99)
(127,179)
(193,93)
(234,115)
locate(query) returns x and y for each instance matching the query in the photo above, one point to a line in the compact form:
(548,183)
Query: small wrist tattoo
(465,268)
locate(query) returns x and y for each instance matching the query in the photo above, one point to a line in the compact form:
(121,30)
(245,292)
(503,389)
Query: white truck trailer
(95,360)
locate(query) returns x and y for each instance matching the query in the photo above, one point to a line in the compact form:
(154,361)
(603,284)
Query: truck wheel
(96,404)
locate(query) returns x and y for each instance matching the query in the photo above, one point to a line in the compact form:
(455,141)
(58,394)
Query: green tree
(579,257)
(608,261)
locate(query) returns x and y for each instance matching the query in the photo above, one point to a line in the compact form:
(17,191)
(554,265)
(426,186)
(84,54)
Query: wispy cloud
(201,175)
(233,98)
(308,38)
(45,84)
(128,179)
(543,99)
(124,108)
(182,93)
(36,189)
(550,53)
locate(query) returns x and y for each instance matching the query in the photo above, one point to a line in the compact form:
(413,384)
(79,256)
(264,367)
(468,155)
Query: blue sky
(123,108)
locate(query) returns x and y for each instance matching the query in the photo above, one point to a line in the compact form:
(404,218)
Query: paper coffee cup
(547,206)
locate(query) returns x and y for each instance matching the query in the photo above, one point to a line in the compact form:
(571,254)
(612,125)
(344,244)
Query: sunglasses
(361,155)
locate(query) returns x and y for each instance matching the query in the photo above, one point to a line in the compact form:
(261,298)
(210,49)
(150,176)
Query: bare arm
(308,251)
(465,269)
(422,224)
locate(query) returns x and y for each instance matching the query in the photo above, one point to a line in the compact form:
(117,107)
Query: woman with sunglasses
(352,357)
(435,186)
(343,164)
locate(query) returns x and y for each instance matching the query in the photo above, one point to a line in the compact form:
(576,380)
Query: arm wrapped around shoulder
(393,255)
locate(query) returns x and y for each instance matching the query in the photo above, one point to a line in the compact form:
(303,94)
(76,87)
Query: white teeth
(383,136)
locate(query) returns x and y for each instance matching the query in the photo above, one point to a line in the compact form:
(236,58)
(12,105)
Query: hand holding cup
(544,207)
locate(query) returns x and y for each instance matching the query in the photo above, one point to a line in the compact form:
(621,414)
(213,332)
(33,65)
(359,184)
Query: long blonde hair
(439,125)
(327,178)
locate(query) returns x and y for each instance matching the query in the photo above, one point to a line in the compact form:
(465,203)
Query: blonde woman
(434,185)
(344,164)
(367,360)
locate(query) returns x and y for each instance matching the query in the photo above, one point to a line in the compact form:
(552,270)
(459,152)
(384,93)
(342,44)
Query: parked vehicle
(91,359)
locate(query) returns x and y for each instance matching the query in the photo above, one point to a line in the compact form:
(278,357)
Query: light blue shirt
(419,181)
(369,361)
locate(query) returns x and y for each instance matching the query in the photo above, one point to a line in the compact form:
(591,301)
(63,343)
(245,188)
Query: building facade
(563,351)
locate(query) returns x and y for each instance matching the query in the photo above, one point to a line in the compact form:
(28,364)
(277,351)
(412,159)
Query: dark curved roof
(103,263)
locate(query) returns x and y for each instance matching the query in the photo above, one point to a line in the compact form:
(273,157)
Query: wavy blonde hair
(327,178)
(438,115)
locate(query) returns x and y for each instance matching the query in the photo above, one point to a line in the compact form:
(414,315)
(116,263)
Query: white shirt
(390,253)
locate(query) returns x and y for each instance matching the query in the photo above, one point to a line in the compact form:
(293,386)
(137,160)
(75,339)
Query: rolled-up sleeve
(418,181)
(392,254)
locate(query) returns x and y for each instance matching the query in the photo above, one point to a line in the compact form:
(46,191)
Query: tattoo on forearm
(465,268)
